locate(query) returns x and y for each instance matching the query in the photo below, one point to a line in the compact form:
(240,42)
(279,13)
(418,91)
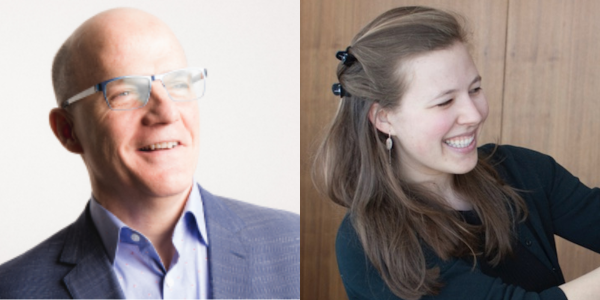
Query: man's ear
(63,129)
(378,117)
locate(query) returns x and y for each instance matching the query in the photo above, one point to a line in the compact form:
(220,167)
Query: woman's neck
(446,190)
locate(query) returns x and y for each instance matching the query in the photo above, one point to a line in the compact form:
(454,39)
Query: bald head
(106,44)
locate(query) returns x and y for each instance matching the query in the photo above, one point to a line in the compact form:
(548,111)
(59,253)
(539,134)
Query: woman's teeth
(158,146)
(460,142)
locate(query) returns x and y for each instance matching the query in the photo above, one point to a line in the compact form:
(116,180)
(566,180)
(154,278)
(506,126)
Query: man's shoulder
(266,243)
(251,218)
(253,214)
(36,272)
(264,222)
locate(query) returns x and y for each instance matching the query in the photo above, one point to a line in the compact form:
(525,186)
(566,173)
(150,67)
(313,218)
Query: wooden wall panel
(326,27)
(551,94)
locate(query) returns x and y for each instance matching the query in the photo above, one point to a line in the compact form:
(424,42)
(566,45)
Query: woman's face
(440,116)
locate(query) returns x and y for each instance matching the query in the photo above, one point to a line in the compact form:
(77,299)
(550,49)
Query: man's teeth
(158,146)
(460,142)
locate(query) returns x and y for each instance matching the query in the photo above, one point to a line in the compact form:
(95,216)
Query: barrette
(346,57)
(338,90)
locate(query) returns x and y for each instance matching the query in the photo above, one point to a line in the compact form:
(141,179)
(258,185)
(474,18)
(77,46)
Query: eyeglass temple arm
(80,96)
(200,76)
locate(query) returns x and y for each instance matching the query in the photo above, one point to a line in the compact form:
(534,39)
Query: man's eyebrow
(475,80)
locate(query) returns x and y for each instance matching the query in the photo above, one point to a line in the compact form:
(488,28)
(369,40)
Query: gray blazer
(254,252)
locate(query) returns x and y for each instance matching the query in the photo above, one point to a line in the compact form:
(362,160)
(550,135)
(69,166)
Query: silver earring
(389,143)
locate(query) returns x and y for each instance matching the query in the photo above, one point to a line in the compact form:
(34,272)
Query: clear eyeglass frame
(199,83)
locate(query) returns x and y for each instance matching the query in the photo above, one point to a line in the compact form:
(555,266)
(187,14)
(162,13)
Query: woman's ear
(379,117)
(62,126)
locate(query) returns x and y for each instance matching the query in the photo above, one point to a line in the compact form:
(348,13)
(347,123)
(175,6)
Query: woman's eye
(475,90)
(445,103)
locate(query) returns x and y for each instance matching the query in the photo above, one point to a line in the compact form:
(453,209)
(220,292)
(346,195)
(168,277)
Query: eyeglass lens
(133,92)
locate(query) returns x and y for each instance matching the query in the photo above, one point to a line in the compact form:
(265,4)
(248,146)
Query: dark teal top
(558,203)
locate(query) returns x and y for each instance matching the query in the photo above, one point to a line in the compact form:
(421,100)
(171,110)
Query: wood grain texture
(326,27)
(551,94)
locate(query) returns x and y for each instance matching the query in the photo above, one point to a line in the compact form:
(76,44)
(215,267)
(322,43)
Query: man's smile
(160,146)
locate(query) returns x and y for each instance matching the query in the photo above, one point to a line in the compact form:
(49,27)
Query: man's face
(112,141)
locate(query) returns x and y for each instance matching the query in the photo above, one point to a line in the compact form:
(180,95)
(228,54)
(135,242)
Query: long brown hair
(394,219)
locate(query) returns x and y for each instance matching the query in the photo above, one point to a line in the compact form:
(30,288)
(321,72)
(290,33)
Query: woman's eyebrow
(477,79)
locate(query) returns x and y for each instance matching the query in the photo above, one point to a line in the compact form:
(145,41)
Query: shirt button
(528,243)
(135,237)
(169,282)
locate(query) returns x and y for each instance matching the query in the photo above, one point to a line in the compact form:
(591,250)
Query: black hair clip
(338,90)
(346,57)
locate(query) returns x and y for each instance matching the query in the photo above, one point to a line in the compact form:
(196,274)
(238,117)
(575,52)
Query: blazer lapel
(229,266)
(92,276)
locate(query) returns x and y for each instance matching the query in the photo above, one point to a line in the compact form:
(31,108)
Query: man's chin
(164,186)
(166,189)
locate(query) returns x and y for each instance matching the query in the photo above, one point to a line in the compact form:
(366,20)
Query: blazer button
(528,243)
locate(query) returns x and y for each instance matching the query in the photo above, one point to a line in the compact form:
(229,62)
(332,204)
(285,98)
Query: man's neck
(154,217)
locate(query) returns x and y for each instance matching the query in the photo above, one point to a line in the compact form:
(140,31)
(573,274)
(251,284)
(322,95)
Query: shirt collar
(109,226)
(195,207)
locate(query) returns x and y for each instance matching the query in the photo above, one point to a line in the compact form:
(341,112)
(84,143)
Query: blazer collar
(229,266)
(228,263)
(92,276)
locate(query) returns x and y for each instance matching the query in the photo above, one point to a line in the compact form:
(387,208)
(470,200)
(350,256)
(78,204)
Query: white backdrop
(250,115)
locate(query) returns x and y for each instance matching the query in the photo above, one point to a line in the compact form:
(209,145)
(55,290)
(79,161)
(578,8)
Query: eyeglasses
(133,92)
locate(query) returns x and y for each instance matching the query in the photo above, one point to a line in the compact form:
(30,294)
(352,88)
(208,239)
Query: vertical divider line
(504,76)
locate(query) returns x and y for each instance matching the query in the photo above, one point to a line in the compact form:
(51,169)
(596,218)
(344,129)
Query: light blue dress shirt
(136,262)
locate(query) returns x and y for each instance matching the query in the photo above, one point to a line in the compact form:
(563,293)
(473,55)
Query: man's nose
(161,109)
